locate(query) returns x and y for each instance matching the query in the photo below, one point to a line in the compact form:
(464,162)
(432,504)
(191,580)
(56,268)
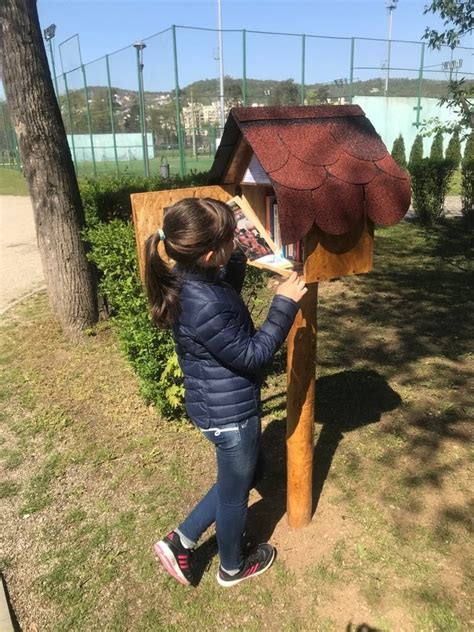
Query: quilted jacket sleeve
(234,271)
(219,329)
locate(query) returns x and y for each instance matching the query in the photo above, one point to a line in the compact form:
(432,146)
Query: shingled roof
(327,165)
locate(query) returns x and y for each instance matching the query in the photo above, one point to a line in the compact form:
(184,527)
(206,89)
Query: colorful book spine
(293,252)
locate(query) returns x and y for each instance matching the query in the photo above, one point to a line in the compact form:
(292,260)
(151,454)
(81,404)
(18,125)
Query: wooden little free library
(332,179)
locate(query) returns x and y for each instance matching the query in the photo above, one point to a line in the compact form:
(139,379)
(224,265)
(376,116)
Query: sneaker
(176,558)
(256,562)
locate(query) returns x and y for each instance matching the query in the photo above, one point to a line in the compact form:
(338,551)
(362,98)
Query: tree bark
(48,167)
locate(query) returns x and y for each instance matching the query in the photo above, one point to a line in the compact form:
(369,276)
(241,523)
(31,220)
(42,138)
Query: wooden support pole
(301,370)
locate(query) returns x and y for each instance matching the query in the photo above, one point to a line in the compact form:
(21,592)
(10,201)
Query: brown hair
(192,227)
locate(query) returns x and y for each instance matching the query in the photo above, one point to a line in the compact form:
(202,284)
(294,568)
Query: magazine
(256,243)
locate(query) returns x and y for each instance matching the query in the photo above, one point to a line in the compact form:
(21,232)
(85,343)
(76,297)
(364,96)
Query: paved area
(20,265)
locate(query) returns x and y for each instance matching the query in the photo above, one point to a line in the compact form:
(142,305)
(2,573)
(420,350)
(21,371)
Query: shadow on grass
(346,401)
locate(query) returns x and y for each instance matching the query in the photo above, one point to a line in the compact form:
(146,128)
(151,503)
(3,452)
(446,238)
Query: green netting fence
(157,106)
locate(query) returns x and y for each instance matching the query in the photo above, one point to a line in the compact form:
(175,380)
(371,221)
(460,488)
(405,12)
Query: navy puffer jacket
(221,354)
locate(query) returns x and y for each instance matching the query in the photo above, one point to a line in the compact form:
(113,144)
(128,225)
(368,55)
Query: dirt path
(20,265)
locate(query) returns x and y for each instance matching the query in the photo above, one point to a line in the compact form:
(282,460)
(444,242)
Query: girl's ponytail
(161,283)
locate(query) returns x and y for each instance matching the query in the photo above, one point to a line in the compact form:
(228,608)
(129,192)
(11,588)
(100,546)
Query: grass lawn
(12,182)
(92,476)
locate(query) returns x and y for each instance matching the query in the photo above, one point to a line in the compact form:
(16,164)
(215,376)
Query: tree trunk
(48,167)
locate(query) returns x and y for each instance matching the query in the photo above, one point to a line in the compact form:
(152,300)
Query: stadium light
(391,6)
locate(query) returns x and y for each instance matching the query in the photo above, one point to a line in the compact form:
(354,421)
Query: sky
(104,26)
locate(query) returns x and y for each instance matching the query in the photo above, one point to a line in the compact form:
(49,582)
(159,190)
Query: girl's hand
(294,287)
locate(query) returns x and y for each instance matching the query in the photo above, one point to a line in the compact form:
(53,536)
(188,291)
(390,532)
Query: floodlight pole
(221,66)
(139,46)
(391,6)
(49,33)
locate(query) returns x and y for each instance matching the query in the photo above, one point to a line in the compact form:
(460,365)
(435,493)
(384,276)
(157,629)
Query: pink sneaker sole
(164,555)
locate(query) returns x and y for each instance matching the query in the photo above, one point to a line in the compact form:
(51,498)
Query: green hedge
(149,350)
(430,182)
(111,239)
(108,197)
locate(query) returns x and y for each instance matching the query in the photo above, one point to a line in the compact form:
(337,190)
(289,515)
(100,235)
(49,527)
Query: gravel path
(20,265)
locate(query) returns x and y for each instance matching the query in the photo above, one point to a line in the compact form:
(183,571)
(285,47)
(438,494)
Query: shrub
(149,350)
(453,151)
(398,152)
(430,182)
(416,153)
(436,152)
(108,197)
(467,179)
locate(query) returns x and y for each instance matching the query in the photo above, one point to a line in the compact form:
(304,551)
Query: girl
(222,357)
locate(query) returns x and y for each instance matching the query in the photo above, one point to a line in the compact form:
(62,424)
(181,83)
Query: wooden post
(301,370)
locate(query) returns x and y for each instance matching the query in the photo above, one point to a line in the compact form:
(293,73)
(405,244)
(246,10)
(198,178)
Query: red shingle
(353,170)
(295,212)
(270,150)
(338,206)
(302,139)
(292,112)
(357,136)
(387,199)
(389,166)
(299,175)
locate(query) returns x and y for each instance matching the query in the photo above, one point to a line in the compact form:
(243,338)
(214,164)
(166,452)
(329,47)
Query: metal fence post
(70,122)
(178,109)
(351,74)
(244,66)
(89,123)
(111,106)
(303,61)
(420,85)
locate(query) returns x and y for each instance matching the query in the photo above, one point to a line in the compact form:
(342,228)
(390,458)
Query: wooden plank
(301,372)
(147,209)
(335,256)
(238,163)
(255,196)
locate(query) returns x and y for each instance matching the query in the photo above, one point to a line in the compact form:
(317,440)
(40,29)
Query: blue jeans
(238,465)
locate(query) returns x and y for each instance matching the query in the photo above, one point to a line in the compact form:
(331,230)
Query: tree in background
(416,153)
(458,20)
(437,152)
(467,179)
(398,152)
(285,93)
(47,166)
(318,96)
(232,91)
(453,152)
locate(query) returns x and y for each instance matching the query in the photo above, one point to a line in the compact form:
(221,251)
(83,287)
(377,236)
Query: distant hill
(260,90)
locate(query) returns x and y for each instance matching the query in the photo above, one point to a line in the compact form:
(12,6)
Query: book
(293,252)
(255,241)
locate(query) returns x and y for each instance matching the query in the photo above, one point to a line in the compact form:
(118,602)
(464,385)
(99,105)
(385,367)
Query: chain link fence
(155,107)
